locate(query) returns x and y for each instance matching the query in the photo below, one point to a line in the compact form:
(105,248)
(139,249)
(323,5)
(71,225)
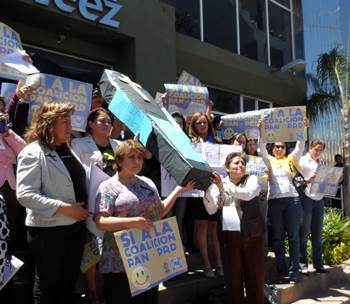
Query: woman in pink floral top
(127,201)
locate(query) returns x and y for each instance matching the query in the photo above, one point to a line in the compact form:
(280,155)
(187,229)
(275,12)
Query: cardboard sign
(7,91)
(151,257)
(256,166)
(16,61)
(283,124)
(94,241)
(187,78)
(327,180)
(92,251)
(11,267)
(9,42)
(214,154)
(186,99)
(246,123)
(54,88)
(137,109)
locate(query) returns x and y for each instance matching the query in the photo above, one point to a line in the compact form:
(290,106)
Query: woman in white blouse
(242,230)
(313,205)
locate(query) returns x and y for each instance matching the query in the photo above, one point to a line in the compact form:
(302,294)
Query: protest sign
(326,180)
(7,91)
(214,154)
(187,78)
(186,99)
(94,240)
(151,257)
(16,61)
(11,267)
(54,88)
(246,123)
(9,42)
(283,124)
(256,166)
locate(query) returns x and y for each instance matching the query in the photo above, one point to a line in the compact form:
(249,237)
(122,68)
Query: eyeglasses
(279,147)
(201,122)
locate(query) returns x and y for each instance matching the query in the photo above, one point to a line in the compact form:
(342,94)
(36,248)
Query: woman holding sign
(284,204)
(312,205)
(202,130)
(242,230)
(51,184)
(128,201)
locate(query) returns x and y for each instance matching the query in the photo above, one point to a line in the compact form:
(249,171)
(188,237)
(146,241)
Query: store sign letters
(90,10)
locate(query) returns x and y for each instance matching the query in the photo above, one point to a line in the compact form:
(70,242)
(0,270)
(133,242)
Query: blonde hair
(42,127)
(125,148)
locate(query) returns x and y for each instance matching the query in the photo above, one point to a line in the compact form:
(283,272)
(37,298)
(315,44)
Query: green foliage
(335,237)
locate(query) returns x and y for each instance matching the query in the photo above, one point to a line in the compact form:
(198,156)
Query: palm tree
(332,90)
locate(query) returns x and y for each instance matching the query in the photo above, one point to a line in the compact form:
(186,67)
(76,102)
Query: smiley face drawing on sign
(141,277)
(271,136)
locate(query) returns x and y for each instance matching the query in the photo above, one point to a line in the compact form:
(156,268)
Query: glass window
(220,23)
(280,36)
(248,104)
(252,26)
(225,102)
(263,105)
(298,29)
(187,16)
(284,2)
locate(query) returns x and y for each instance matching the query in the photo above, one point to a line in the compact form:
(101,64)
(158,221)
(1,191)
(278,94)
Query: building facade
(235,47)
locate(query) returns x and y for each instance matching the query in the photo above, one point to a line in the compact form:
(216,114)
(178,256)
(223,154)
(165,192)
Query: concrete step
(310,285)
(194,287)
(336,294)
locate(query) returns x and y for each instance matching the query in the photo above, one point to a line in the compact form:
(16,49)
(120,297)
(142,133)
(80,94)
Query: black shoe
(282,280)
(321,270)
(294,278)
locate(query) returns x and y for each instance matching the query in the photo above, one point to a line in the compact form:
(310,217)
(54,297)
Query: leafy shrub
(335,237)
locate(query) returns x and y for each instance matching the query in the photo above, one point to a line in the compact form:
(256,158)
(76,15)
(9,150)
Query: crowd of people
(51,185)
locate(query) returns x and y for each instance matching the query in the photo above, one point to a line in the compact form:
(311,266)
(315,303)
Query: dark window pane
(263,105)
(187,16)
(225,102)
(220,24)
(280,36)
(248,104)
(298,29)
(252,26)
(284,2)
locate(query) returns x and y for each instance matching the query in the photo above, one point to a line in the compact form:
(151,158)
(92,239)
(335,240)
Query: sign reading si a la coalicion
(90,10)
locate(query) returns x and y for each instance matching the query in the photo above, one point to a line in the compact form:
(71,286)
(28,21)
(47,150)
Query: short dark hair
(93,114)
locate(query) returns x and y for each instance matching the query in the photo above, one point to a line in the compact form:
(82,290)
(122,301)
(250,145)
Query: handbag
(298,181)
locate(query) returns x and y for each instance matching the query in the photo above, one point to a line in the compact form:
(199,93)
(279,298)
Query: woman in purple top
(127,201)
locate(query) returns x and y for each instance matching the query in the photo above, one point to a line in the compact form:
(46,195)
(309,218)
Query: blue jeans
(285,216)
(312,222)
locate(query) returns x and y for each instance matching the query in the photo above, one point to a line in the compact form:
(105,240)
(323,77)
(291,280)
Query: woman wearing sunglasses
(285,209)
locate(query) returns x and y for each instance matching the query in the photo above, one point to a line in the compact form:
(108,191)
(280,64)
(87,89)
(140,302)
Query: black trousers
(57,253)
(117,291)
(244,265)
